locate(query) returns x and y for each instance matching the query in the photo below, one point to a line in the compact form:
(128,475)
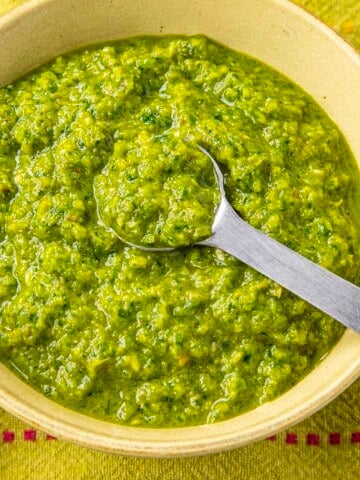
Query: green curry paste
(108,137)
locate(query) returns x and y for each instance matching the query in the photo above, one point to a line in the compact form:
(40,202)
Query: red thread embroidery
(312,439)
(8,437)
(291,438)
(30,435)
(334,438)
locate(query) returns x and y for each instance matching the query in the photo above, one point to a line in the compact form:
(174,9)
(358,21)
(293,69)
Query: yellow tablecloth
(325,446)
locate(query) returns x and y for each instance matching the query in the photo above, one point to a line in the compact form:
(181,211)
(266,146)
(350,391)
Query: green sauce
(107,137)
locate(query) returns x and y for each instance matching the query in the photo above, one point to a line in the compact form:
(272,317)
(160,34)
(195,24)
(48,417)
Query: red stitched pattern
(312,439)
(291,438)
(8,436)
(30,435)
(334,438)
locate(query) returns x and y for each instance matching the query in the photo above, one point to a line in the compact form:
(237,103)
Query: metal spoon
(330,293)
(323,289)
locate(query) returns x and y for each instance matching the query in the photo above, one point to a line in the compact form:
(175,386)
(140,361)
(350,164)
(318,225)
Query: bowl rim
(17,12)
(52,418)
(46,415)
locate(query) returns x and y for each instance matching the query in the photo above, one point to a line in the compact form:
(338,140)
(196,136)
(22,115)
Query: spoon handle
(323,289)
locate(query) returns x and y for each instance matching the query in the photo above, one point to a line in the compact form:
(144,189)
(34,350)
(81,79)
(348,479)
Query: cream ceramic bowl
(280,34)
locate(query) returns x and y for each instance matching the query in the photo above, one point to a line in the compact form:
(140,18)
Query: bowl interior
(274,31)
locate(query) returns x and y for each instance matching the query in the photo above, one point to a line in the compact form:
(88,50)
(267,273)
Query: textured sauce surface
(108,136)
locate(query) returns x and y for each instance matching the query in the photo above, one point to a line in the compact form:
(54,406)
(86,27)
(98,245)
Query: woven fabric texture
(326,445)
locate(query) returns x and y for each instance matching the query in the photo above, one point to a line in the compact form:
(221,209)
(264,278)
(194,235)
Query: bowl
(274,31)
